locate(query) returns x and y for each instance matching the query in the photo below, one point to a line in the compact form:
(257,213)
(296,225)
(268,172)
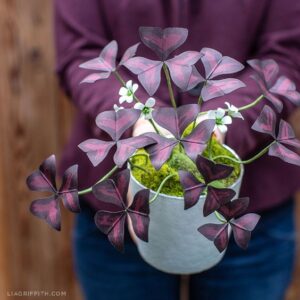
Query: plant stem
(200,101)
(160,187)
(220,217)
(169,83)
(248,161)
(140,154)
(154,126)
(132,165)
(88,190)
(256,101)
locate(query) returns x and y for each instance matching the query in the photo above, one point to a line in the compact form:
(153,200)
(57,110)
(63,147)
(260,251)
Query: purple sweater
(242,29)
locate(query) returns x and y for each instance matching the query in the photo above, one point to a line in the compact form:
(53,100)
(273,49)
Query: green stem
(140,154)
(220,217)
(169,83)
(160,187)
(200,101)
(132,165)
(154,126)
(256,101)
(88,190)
(248,161)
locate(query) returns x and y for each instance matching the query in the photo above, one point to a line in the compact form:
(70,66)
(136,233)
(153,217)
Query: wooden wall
(34,122)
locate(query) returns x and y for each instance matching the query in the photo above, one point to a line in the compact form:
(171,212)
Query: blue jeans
(263,271)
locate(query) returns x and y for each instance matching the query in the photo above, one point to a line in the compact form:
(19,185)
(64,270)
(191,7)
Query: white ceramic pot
(175,245)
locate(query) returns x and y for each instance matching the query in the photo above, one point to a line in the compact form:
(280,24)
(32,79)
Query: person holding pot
(240,29)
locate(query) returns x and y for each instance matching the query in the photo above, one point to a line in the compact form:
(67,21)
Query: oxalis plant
(180,147)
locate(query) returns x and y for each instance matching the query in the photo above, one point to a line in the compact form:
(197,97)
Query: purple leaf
(266,122)
(215,198)
(192,188)
(95,76)
(215,64)
(68,191)
(163,41)
(242,228)
(129,53)
(115,123)
(234,208)
(48,210)
(106,61)
(139,214)
(148,71)
(284,153)
(113,225)
(186,114)
(96,150)
(266,69)
(160,152)
(181,67)
(217,88)
(195,143)
(127,147)
(286,134)
(287,88)
(43,179)
(211,171)
(218,233)
(194,79)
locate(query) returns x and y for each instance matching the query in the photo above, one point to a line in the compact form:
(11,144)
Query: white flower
(117,108)
(221,119)
(146,108)
(233,111)
(127,92)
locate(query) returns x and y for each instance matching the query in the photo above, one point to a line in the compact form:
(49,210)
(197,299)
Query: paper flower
(221,119)
(43,180)
(266,123)
(241,227)
(193,188)
(112,222)
(115,123)
(127,93)
(233,111)
(176,121)
(146,108)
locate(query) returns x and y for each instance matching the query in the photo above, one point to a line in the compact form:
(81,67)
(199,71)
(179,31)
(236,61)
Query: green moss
(145,173)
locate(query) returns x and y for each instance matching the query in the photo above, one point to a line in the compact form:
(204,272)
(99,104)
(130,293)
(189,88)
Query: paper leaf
(234,208)
(266,69)
(266,121)
(129,53)
(285,154)
(286,134)
(95,76)
(163,41)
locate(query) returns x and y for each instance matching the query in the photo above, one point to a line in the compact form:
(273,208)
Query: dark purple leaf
(215,64)
(127,147)
(148,71)
(43,179)
(216,198)
(160,152)
(286,134)
(195,143)
(186,114)
(163,41)
(284,153)
(48,210)
(113,225)
(69,189)
(234,208)
(287,88)
(218,233)
(96,150)
(106,61)
(192,188)
(139,214)
(242,228)
(266,121)
(129,53)
(217,88)
(211,171)
(115,123)
(181,67)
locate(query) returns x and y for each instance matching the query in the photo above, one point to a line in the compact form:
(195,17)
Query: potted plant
(180,190)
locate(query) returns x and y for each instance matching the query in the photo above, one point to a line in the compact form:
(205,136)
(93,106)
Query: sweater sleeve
(81,33)
(279,39)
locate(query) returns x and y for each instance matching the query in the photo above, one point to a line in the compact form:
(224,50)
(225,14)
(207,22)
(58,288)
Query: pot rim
(181,198)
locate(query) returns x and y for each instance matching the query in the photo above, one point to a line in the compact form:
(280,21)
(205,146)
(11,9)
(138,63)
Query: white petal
(139,105)
(227,120)
(135,87)
(222,128)
(237,115)
(220,113)
(147,116)
(129,99)
(150,102)
(123,91)
(211,114)
(122,99)
(228,105)
(129,84)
